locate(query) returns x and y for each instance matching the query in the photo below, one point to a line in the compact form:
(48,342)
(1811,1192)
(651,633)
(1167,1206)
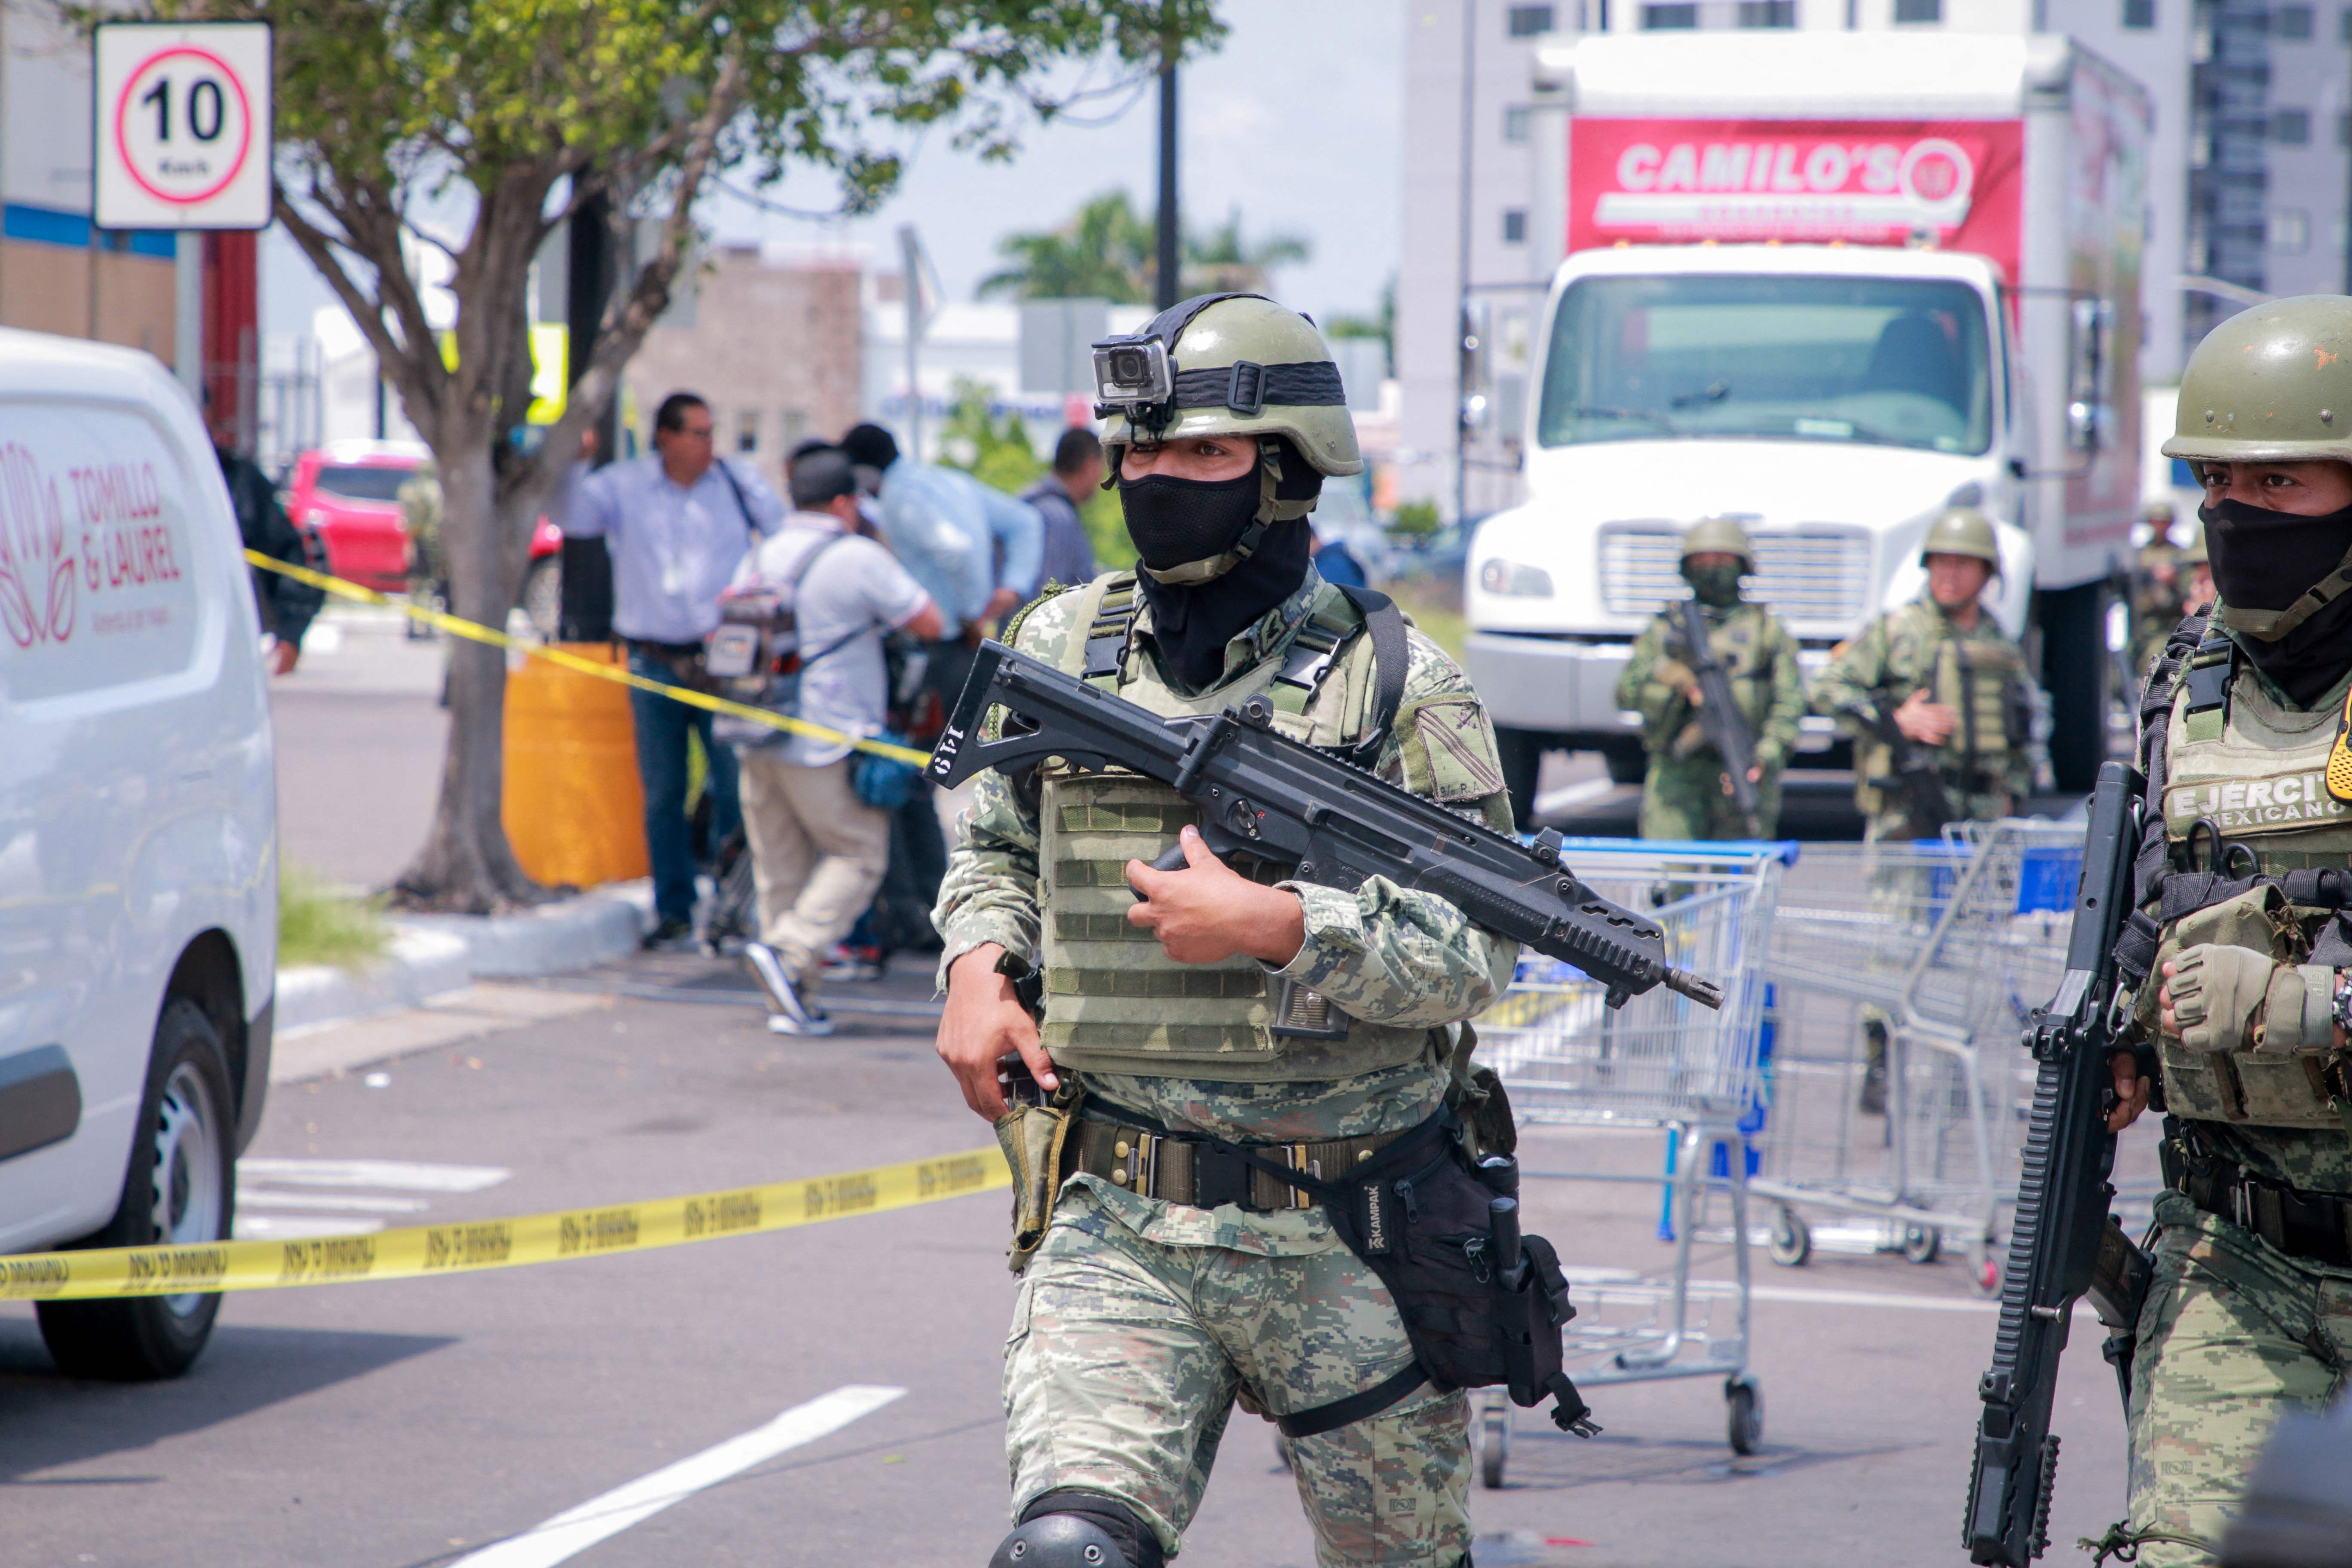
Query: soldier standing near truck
(1164,1278)
(1936,696)
(2239,949)
(1687,792)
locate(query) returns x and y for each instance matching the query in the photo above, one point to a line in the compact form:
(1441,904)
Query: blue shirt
(1069,556)
(674,548)
(944,525)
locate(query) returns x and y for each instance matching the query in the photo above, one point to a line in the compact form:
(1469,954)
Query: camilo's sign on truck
(1829,284)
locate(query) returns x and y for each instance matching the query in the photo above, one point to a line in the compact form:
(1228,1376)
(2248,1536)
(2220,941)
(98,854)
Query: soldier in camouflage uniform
(2160,585)
(2250,1310)
(1152,1303)
(1954,681)
(1686,793)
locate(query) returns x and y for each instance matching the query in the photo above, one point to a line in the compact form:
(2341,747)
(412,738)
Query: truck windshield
(1887,361)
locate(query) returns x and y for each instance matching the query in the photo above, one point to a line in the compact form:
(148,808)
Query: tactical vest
(1985,683)
(2256,851)
(1114,1003)
(1738,641)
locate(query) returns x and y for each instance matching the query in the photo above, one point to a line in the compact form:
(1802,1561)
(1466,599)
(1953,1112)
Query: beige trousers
(818,854)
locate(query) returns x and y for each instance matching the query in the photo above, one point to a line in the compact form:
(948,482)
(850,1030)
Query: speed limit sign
(183,131)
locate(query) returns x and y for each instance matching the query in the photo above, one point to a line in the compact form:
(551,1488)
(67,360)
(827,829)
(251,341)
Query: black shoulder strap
(741,505)
(1391,654)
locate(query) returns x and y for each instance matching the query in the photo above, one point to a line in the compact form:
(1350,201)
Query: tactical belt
(1205,1172)
(2308,1226)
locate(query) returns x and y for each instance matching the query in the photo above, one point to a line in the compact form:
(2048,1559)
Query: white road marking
(400,1175)
(574,1530)
(273,1227)
(1569,796)
(359,1203)
(1874,1299)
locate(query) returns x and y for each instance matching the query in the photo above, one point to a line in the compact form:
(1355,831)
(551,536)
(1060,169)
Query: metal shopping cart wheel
(1922,1243)
(1491,1424)
(1746,1412)
(1791,1242)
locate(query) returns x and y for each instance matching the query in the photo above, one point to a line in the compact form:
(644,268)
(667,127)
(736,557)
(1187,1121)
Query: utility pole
(1170,260)
(1464,348)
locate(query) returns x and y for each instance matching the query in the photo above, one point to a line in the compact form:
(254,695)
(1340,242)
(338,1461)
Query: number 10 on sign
(182,128)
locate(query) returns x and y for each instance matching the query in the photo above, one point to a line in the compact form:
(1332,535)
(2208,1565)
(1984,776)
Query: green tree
(1000,453)
(475,127)
(1105,252)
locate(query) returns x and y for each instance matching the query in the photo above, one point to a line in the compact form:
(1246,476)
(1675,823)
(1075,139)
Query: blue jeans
(662,726)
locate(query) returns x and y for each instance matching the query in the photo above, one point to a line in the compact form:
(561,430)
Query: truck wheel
(181,1191)
(1521,753)
(542,595)
(1625,762)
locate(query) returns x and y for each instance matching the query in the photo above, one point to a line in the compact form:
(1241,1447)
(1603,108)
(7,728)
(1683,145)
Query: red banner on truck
(1877,182)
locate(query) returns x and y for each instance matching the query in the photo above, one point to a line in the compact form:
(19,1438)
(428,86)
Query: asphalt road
(407,1423)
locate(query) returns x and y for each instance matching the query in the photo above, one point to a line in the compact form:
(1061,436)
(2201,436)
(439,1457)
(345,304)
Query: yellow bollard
(574,809)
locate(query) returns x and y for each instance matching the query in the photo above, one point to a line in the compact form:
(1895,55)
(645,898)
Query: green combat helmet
(1719,535)
(1962,530)
(1230,365)
(2272,384)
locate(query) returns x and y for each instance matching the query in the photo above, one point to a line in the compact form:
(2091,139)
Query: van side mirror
(2090,375)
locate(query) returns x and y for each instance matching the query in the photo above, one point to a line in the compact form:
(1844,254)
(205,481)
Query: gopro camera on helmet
(1132,374)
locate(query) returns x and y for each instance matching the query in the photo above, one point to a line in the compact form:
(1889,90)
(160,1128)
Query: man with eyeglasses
(677,523)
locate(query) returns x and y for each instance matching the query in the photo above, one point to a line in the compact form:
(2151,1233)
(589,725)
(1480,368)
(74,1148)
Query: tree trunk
(467,866)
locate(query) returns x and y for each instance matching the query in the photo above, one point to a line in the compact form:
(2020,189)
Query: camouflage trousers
(1126,1356)
(1685,799)
(2234,1332)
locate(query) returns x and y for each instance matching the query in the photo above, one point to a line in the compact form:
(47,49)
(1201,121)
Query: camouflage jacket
(1758,655)
(1382,952)
(1904,651)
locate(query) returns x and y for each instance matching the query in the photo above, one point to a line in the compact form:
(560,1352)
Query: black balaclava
(1176,521)
(2267,561)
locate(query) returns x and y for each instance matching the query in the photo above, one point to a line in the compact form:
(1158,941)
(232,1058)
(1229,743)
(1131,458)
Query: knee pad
(1067,1529)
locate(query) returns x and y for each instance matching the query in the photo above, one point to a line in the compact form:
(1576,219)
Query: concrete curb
(432,955)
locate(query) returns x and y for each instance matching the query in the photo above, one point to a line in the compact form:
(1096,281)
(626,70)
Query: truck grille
(1814,575)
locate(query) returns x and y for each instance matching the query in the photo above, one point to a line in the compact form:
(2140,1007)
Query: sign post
(181,140)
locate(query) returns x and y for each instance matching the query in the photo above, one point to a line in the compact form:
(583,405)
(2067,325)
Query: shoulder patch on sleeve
(1449,749)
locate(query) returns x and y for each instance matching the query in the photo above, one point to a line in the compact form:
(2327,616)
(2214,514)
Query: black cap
(820,478)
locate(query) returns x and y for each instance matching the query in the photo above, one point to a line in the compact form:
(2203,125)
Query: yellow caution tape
(468,1245)
(475,631)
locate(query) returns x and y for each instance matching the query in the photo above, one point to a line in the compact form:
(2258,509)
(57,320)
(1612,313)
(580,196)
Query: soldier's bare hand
(981,1021)
(2131,1091)
(1208,912)
(1928,722)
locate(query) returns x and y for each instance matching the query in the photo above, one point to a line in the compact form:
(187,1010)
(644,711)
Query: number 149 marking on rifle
(182,127)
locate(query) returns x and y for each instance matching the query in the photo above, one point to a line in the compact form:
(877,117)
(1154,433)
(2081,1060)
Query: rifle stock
(1719,716)
(2062,1218)
(1266,796)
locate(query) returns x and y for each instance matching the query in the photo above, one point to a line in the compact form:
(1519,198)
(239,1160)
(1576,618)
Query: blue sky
(1297,121)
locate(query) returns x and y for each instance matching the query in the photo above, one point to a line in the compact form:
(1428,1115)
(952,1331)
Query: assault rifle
(1917,780)
(1266,796)
(1720,718)
(2063,1243)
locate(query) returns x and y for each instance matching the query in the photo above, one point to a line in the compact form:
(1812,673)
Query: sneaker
(671,936)
(853,963)
(788,1012)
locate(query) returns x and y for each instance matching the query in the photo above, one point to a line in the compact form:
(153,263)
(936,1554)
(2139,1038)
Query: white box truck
(1829,283)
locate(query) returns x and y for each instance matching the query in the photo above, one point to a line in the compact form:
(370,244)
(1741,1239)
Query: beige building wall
(770,342)
(46,289)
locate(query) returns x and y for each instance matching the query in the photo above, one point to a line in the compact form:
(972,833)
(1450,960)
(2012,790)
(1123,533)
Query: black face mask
(1174,522)
(1191,624)
(2264,560)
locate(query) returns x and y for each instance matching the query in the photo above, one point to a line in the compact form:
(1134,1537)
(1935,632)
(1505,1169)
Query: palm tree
(1105,252)
(1220,262)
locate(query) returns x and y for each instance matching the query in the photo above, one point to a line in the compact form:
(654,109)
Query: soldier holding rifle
(2243,896)
(1714,768)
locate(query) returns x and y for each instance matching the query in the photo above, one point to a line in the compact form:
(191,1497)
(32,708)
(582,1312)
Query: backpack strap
(741,504)
(1110,627)
(1392,656)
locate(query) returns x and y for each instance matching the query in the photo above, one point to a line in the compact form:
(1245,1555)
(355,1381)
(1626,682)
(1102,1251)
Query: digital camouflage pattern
(2233,1334)
(1129,1348)
(1919,646)
(1140,1322)
(1682,795)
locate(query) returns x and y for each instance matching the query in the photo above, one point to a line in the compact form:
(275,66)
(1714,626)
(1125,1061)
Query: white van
(138,837)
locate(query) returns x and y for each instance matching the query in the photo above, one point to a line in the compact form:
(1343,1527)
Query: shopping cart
(1660,1061)
(1940,950)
